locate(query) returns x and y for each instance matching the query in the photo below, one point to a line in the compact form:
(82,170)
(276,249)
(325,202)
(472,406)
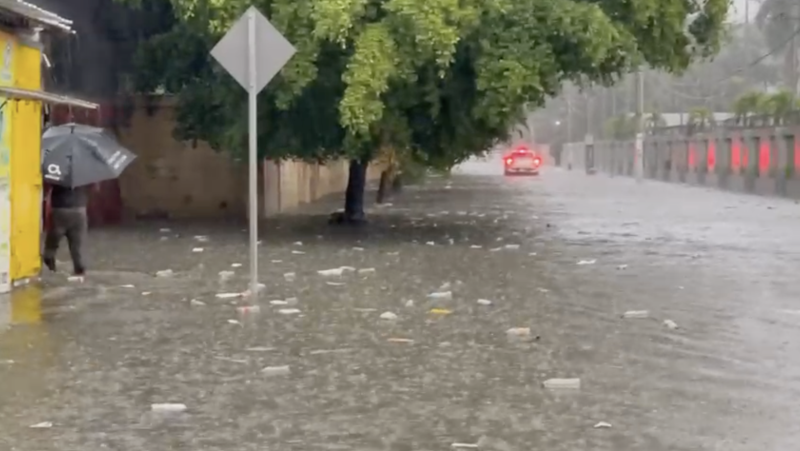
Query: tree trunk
(383,187)
(354,196)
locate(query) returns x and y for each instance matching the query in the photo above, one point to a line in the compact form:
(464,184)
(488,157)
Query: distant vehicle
(522,161)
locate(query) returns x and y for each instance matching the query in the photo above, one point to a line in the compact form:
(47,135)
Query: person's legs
(57,230)
(76,235)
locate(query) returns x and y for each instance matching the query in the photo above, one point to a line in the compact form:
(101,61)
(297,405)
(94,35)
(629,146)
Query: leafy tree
(439,79)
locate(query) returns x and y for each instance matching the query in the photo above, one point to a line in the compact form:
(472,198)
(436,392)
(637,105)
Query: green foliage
(445,79)
(701,119)
(758,108)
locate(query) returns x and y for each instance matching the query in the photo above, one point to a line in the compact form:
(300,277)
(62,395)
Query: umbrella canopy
(76,155)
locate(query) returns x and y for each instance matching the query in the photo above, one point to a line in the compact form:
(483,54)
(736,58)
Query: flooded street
(540,271)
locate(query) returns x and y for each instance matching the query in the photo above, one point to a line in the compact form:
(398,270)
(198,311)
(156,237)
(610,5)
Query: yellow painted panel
(26,175)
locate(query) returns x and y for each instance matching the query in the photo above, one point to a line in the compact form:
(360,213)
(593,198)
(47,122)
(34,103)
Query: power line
(761,58)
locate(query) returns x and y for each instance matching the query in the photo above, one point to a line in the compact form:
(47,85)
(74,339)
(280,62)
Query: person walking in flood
(68,218)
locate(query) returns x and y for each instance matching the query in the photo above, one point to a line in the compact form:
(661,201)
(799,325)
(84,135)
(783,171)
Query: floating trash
(42,425)
(388,316)
(484,302)
(586,262)
(288,311)
(636,314)
(363,271)
(557,383)
(164,273)
(197,250)
(441,295)
(669,324)
(602,425)
(228,295)
(276,370)
(168,407)
(440,311)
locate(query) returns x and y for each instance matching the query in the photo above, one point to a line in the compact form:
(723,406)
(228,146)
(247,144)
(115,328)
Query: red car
(522,161)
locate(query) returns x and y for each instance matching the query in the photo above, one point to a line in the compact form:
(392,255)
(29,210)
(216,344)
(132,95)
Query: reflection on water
(25,347)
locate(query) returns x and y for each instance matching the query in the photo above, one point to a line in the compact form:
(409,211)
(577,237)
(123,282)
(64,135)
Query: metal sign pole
(252,94)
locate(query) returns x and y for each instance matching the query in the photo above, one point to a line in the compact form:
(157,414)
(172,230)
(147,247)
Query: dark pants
(72,223)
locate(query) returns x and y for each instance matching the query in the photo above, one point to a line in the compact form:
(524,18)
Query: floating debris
(197,250)
(476,246)
(196,303)
(236,265)
(400,340)
(127,286)
(440,311)
(441,295)
(484,302)
(430,243)
(168,407)
(331,272)
(78,279)
(586,262)
(602,425)
(511,247)
(298,243)
(409,303)
(229,295)
(290,276)
(557,383)
(234,322)
(519,332)
(146,293)
(259,349)
(288,311)
(464,445)
(201,238)
(298,252)
(366,271)
(335,284)
(669,324)
(42,425)
(278,302)
(164,273)
(276,370)
(388,316)
(636,314)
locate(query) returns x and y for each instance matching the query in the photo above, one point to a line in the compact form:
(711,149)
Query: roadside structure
(25,32)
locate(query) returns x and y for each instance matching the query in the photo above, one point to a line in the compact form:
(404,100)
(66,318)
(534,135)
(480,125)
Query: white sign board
(272,50)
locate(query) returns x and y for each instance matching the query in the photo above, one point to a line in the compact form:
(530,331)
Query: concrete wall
(758,161)
(173,179)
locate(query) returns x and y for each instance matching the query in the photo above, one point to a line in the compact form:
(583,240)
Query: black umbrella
(77,155)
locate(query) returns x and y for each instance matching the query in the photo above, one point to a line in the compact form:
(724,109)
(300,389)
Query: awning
(36,14)
(46,97)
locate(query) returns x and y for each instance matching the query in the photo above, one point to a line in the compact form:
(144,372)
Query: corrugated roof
(37,14)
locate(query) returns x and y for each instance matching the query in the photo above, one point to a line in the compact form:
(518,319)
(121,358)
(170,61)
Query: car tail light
(509,161)
(537,161)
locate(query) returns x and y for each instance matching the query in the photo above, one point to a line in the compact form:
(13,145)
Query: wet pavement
(563,254)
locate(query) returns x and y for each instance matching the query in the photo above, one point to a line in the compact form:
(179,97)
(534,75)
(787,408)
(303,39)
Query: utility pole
(795,74)
(639,142)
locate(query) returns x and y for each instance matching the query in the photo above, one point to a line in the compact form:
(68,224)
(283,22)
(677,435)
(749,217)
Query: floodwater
(91,358)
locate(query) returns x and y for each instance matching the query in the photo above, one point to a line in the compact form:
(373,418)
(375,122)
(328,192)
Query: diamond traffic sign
(272,50)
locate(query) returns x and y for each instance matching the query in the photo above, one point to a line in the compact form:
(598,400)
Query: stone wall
(757,161)
(175,179)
